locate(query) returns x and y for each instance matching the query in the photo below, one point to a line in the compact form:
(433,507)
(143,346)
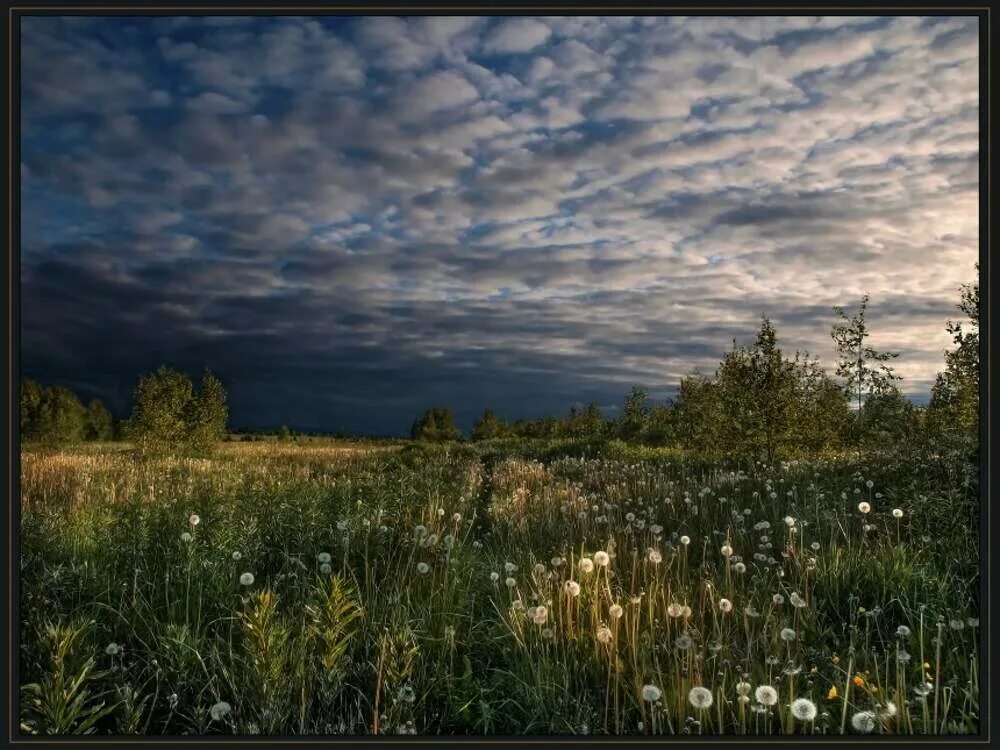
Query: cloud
(351,219)
(517,35)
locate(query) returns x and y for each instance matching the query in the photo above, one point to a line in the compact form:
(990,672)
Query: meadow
(503,588)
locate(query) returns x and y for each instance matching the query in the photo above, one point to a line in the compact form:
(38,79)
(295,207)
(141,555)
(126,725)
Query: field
(498,588)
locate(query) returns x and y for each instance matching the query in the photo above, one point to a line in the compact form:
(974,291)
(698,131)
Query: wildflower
(897,512)
(406,694)
(602,558)
(972,622)
(440,512)
(219,710)
(186,537)
(796,600)
(803,709)
(556,561)
(547,634)
(858,681)
(685,611)
(247,579)
(494,576)
(683,642)
(323,557)
(869,484)
(615,611)
(539,569)
(787,634)
(956,624)
(656,528)
(864,507)
(766,695)
(743,688)
(674,610)
(604,634)
(510,582)
(419,531)
(540,615)
(654,556)
(194,519)
(903,632)
(651,693)
(725,605)
(789,521)
(727,551)
(778,599)
(863,721)
(422,567)
(509,567)
(700,697)
(923,689)
(586,565)
(457,518)
(831,694)
(449,541)
(572,588)
(630,517)
(112,649)
(890,710)
(325,569)
(237,556)
(685,540)
(815,546)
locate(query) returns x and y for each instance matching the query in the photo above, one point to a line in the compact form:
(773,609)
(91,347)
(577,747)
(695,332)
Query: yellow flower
(858,680)
(813,670)
(926,665)
(836,659)
(832,695)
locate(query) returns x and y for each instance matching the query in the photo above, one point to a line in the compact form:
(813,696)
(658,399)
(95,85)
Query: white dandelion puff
(219,710)
(572,588)
(700,697)
(651,693)
(602,558)
(247,579)
(422,567)
(863,722)
(864,507)
(803,709)
(766,695)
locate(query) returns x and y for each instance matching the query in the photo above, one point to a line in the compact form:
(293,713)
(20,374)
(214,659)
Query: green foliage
(953,412)
(168,415)
(634,415)
(490,427)
(64,701)
(51,414)
(436,425)
(99,423)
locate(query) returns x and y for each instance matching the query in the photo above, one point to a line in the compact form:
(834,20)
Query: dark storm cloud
(353,219)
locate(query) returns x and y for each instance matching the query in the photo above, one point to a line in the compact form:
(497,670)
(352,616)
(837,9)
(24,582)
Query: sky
(352,219)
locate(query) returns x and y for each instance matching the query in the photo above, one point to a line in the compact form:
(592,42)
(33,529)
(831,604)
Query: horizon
(350,220)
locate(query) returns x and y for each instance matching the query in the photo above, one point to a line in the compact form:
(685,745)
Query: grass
(403,589)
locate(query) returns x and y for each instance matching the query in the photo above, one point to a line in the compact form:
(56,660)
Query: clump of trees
(763,403)
(436,425)
(169,415)
(55,415)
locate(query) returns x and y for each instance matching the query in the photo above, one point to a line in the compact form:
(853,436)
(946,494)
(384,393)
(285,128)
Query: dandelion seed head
(897,512)
(651,693)
(803,709)
(766,695)
(194,519)
(700,697)
(602,558)
(572,588)
(864,507)
(247,579)
(219,711)
(422,567)
(616,611)
(863,722)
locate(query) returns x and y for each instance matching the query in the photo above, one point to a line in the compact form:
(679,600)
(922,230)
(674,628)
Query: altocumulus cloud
(352,219)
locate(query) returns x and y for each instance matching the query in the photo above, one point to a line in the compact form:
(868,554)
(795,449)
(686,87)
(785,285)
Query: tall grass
(352,589)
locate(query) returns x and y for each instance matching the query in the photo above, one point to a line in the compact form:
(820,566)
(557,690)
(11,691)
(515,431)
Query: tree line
(765,403)
(168,414)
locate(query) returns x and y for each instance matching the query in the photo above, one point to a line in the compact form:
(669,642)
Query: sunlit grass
(344,588)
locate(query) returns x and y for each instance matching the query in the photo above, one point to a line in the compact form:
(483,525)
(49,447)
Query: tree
(207,414)
(160,409)
(756,386)
(634,415)
(31,402)
(861,366)
(953,411)
(437,424)
(489,426)
(56,417)
(99,424)
(284,434)
(699,414)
